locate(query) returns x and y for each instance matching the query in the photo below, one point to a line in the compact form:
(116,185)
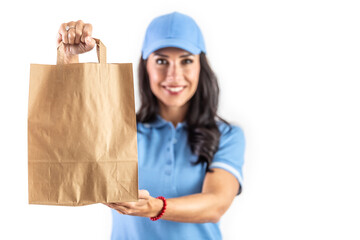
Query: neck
(173,114)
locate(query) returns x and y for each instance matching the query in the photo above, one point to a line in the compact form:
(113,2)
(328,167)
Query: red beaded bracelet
(162,210)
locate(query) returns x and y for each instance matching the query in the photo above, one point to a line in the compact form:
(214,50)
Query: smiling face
(174,76)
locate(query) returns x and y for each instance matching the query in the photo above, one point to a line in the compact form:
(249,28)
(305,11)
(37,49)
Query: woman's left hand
(147,206)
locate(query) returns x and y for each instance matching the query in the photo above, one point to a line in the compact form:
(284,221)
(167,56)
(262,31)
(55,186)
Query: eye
(187,61)
(161,61)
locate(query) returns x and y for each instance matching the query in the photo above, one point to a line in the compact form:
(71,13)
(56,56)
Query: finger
(141,202)
(58,39)
(71,32)
(87,31)
(122,209)
(62,31)
(119,212)
(106,204)
(125,204)
(144,194)
(113,206)
(78,31)
(133,205)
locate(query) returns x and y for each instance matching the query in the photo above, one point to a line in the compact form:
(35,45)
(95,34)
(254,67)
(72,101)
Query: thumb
(144,194)
(90,43)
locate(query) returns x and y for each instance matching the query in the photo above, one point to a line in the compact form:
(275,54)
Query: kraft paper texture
(82,146)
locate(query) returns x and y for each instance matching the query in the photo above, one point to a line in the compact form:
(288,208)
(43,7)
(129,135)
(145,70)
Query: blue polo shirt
(165,169)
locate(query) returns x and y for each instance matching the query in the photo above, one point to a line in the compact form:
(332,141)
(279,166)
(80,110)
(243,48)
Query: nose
(174,72)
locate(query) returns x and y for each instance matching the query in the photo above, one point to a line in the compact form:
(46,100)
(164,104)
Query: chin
(174,104)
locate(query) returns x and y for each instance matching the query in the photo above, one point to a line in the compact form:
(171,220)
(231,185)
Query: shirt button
(168,172)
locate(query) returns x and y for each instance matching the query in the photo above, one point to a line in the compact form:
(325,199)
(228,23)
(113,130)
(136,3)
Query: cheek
(193,76)
(155,77)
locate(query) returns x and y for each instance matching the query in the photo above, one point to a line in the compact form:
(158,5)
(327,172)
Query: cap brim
(178,43)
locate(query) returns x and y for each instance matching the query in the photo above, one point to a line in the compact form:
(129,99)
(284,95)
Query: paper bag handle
(100,50)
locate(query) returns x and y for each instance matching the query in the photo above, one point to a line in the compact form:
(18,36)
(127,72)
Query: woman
(187,154)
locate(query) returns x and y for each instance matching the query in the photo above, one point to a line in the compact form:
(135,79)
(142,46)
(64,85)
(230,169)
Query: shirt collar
(160,122)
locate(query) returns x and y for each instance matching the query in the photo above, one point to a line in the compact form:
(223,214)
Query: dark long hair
(201,117)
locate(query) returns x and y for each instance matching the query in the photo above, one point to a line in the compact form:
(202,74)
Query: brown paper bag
(82,146)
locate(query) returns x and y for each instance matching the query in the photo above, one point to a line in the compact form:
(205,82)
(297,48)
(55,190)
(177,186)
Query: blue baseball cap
(173,30)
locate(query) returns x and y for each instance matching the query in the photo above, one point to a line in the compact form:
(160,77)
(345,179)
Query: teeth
(174,89)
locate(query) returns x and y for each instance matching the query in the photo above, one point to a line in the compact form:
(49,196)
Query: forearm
(196,208)
(219,190)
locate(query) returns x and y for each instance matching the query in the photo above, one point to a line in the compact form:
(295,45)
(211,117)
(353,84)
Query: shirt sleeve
(230,154)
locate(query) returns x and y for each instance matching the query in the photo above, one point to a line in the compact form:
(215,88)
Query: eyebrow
(163,55)
(187,55)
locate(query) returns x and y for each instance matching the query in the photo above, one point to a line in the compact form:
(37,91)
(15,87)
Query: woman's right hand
(77,39)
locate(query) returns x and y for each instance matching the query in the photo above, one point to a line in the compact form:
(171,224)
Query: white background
(289,76)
